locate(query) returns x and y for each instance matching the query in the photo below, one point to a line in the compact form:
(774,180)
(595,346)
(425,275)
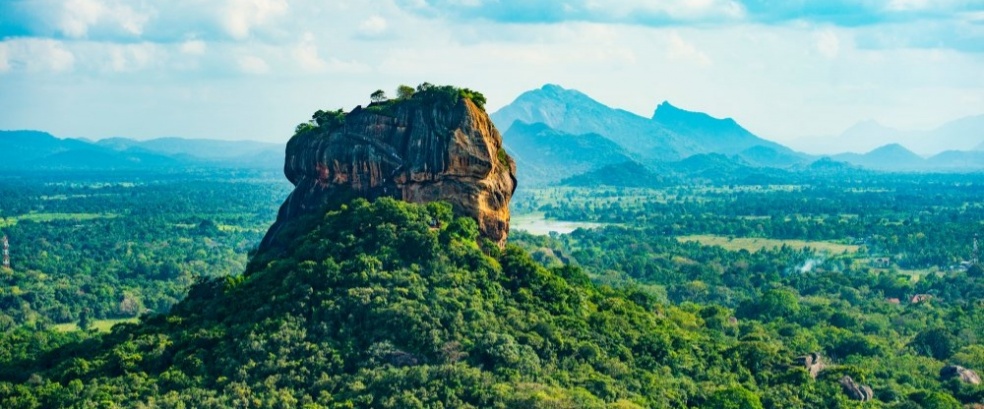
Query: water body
(536,224)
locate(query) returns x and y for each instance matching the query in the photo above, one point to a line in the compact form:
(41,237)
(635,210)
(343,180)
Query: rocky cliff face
(425,148)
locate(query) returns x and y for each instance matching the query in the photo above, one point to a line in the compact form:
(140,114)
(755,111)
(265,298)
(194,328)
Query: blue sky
(252,69)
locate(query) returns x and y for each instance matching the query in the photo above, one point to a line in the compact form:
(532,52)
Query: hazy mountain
(204,149)
(828,165)
(544,155)
(766,156)
(709,165)
(41,150)
(962,134)
(892,157)
(980,147)
(17,147)
(957,161)
(671,134)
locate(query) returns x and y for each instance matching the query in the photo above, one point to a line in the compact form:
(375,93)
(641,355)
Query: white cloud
(77,17)
(131,57)
(373,27)
(193,47)
(36,55)
(4,64)
(306,55)
(252,64)
(827,43)
(336,65)
(907,5)
(241,16)
(679,49)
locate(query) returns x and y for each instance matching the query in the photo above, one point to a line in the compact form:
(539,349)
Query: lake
(536,224)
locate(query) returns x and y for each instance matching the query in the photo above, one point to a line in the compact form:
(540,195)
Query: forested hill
(393,305)
(376,307)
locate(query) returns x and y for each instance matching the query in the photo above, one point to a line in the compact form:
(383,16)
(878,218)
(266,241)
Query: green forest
(828,293)
(114,245)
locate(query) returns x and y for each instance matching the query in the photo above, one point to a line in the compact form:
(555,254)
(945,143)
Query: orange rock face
(416,151)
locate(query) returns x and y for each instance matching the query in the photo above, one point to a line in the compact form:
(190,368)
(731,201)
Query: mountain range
(41,150)
(964,134)
(557,134)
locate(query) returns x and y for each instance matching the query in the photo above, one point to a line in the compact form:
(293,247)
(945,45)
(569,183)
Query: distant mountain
(671,134)
(41,150)
(766,156)
(957,161)
(17,147)
(893,157)
(573,112)
(703,133)
(202,149)
(544,155)
(625,174)
(962,134)
(713,166)
(828,165)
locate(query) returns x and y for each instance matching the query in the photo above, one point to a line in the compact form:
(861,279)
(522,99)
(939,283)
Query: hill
(625,174)
(374,307)
(41,150)
(893,157)
(544,155)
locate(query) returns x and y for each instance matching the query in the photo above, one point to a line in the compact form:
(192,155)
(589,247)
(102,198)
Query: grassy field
(756,244)
(98,325)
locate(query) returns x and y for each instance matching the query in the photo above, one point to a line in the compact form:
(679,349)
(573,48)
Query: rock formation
(956,371)
(857,392)
(813,364)
(436,145)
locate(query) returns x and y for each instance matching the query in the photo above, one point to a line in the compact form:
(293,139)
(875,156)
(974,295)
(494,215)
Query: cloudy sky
(253,69)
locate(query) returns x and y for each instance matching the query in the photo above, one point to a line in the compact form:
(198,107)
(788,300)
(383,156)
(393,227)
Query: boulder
(956,371)
(857,392)
(813,363)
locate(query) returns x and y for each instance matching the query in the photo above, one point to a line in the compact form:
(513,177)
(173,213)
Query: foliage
(149,235)
(404,92)
(375,306)
(388,304)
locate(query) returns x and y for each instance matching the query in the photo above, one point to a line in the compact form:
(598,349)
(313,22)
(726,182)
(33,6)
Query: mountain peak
(892,148)
(552,88)
(668,113)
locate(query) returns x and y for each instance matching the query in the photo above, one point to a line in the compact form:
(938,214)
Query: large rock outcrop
(813,363)
(956,371)
(436,145)
(856,391)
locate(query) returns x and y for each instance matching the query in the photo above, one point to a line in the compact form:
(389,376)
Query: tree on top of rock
(378,96)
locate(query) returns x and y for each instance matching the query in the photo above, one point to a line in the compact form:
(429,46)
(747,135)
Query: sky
(788,70)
